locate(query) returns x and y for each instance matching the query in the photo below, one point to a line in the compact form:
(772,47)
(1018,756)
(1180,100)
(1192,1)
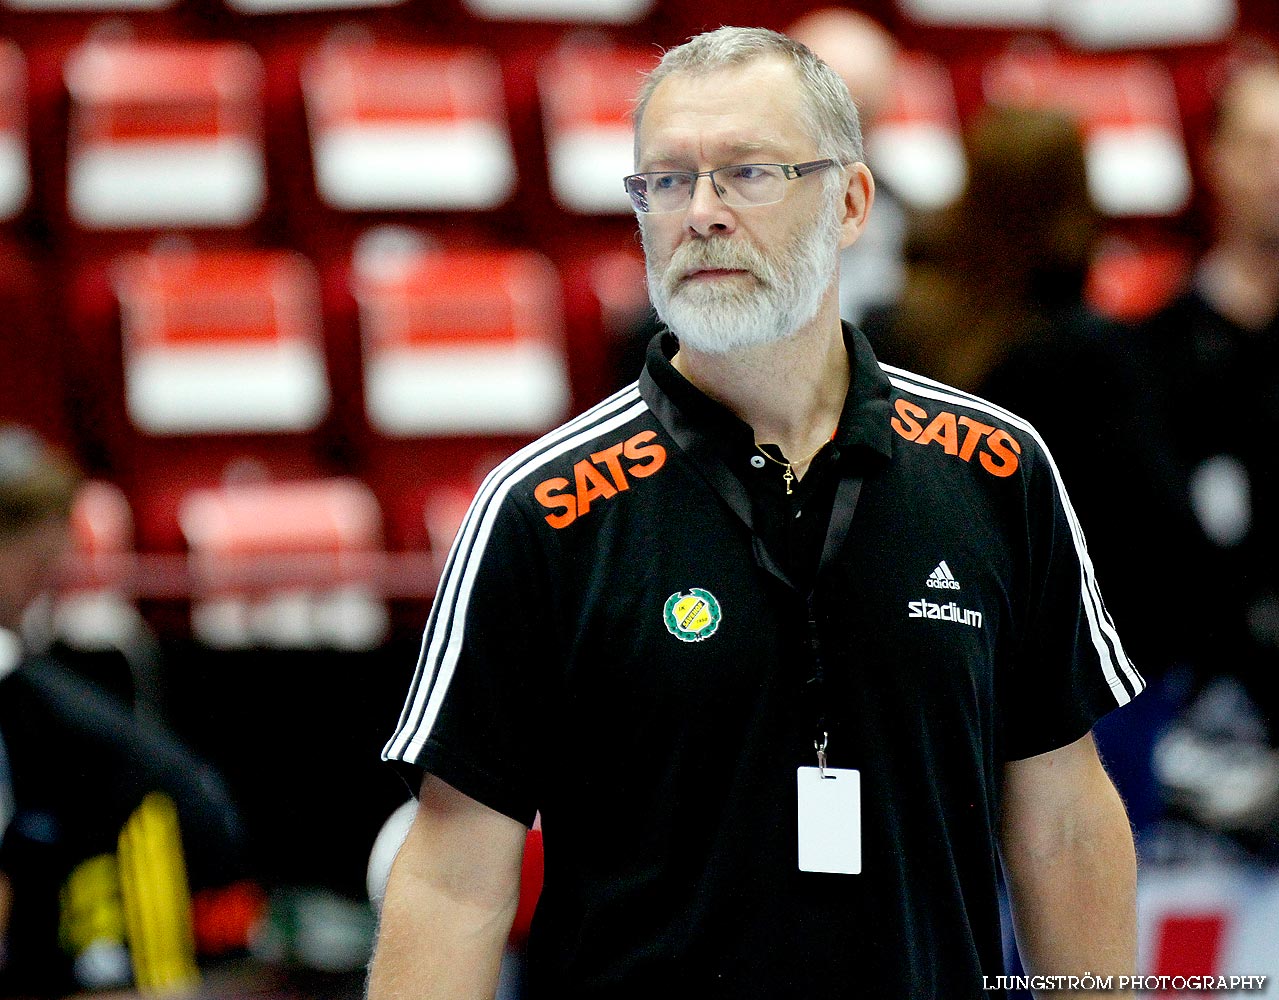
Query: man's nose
(706,212)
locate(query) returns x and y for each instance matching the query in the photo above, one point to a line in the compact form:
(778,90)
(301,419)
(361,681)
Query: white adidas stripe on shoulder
(970,399)
(1099,622)
(622,397)
(442,637)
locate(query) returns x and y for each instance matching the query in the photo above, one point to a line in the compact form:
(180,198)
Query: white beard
(722,316)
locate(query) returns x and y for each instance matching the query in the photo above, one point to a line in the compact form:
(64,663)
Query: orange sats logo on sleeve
(600,477)
(961,436)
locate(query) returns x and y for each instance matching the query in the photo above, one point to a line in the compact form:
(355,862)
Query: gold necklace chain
(789,474)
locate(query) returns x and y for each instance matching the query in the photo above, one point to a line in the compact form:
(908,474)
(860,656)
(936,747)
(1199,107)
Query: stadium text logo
(951,612)
(591,484)
(999,448)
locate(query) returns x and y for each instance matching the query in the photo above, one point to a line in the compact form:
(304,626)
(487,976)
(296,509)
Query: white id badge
(830,820)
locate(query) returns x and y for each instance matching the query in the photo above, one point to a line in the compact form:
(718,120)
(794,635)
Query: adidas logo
(942,578)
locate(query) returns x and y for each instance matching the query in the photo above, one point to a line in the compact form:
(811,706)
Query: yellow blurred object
(91,923)
(157,899)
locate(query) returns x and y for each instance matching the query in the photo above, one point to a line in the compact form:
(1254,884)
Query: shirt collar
(863,425)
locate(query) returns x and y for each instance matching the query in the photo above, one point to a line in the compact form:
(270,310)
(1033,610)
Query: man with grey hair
(787,648)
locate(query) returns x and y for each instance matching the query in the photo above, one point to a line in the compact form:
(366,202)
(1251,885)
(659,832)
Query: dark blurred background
(281,280)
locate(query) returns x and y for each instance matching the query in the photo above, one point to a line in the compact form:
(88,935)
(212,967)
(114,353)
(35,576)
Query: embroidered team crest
(692,616)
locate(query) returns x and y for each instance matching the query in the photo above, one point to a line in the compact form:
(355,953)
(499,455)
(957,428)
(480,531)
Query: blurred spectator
(993,304)
(1215,353)
(1001,272)
(864,54)
(93,868)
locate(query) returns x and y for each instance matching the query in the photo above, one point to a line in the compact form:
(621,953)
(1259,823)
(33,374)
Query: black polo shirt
(624,639)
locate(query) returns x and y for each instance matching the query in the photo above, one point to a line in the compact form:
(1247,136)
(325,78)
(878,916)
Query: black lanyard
(847,493)
(816,695)
(705,458)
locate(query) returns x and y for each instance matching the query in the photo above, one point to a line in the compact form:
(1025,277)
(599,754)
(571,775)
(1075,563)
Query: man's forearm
(1072,879)
(432,945)
(449,903)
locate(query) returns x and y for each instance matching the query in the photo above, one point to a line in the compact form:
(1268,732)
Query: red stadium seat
(980,13)
(443,513)
(221,343)
(1115,24)
(268,7)
(606,306)
(426,489)
(916,144)
(94,608)
(15,168)
(88,6)
(462,343)
(463,362)
(32,378)
(617,284)
(407,127)
(566,11)
(291,564)
(102,536)
(587,94)
(164,134)
(1127,108)
(197,366)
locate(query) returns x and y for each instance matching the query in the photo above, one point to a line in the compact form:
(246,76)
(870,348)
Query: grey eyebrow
(745,147)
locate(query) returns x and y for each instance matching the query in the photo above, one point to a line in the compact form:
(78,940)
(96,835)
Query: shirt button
(757,461)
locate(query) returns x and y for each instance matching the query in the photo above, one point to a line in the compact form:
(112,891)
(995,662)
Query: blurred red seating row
(409,363)
(1111,24)
(403,362)
(411,354)
(294,564)
(185,134)
(171,133)
(1095,24)
(576,12)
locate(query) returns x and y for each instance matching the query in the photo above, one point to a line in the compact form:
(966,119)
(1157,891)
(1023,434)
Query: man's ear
(859,196)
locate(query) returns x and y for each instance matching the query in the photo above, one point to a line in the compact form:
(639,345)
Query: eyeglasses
(741,185)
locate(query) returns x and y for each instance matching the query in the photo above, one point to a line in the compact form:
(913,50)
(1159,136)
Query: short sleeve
(470,710)
(1069,667)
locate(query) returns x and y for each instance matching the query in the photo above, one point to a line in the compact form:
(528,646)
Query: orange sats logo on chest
(592,483)
(959,436)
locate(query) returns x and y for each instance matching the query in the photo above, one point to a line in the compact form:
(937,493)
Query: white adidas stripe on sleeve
(1110,653)
(444,633)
